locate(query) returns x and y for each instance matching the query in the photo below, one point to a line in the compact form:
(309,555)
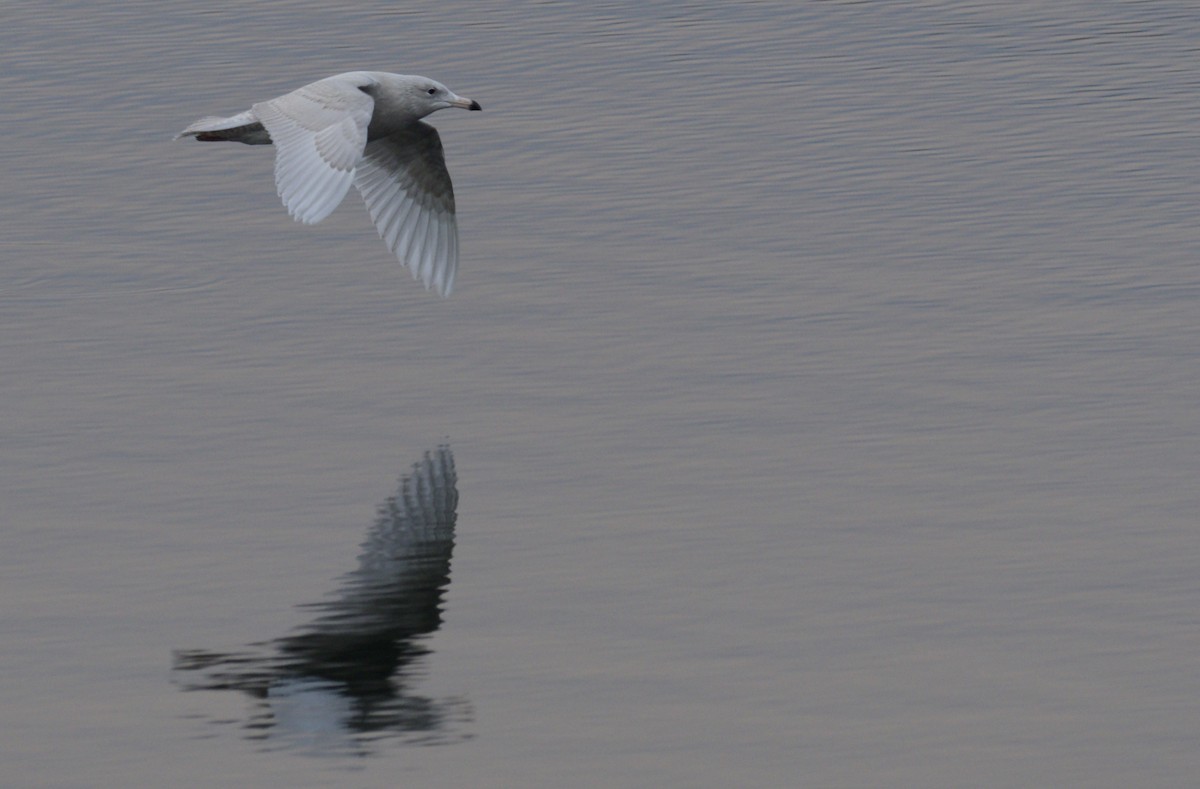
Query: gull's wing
(319,132)
(403,179)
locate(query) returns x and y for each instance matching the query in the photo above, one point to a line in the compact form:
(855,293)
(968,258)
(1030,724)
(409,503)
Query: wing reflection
(339,682)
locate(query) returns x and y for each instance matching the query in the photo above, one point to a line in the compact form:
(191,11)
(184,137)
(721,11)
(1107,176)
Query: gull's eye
(432,91)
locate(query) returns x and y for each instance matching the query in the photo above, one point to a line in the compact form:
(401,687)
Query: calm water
(817,404)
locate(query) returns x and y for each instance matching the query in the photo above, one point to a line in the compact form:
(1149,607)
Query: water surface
(821,380)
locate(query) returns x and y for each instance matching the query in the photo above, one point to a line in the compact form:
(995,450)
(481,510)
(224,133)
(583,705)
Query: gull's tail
(243,127)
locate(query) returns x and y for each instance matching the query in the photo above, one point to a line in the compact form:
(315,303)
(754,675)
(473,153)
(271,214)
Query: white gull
(362,128)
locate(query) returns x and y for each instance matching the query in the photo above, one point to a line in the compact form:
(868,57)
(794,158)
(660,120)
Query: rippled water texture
(816,406)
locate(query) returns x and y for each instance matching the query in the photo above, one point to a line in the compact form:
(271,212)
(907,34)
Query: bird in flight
(362,128)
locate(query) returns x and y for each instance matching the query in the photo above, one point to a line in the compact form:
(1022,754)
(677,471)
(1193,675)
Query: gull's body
(362,128)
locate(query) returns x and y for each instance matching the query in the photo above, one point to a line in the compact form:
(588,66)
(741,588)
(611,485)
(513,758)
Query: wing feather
(319,132)
(404,182)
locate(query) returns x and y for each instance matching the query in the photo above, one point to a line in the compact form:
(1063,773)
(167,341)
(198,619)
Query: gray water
(817,404)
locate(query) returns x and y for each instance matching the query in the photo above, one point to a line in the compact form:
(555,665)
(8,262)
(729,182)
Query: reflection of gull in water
(338,683)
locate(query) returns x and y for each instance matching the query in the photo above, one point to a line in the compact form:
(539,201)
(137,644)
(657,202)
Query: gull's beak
(466,104)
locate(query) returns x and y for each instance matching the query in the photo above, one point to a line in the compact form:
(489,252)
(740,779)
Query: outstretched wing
(403,179)
(319,132)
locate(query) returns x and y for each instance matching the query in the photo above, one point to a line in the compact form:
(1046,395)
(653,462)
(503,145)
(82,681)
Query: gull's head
(431,96)
(401,99)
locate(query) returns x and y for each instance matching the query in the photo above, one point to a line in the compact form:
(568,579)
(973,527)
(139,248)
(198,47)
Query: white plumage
(362,128)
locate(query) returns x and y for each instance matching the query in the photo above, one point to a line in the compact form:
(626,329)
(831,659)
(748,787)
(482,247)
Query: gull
(362,128)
